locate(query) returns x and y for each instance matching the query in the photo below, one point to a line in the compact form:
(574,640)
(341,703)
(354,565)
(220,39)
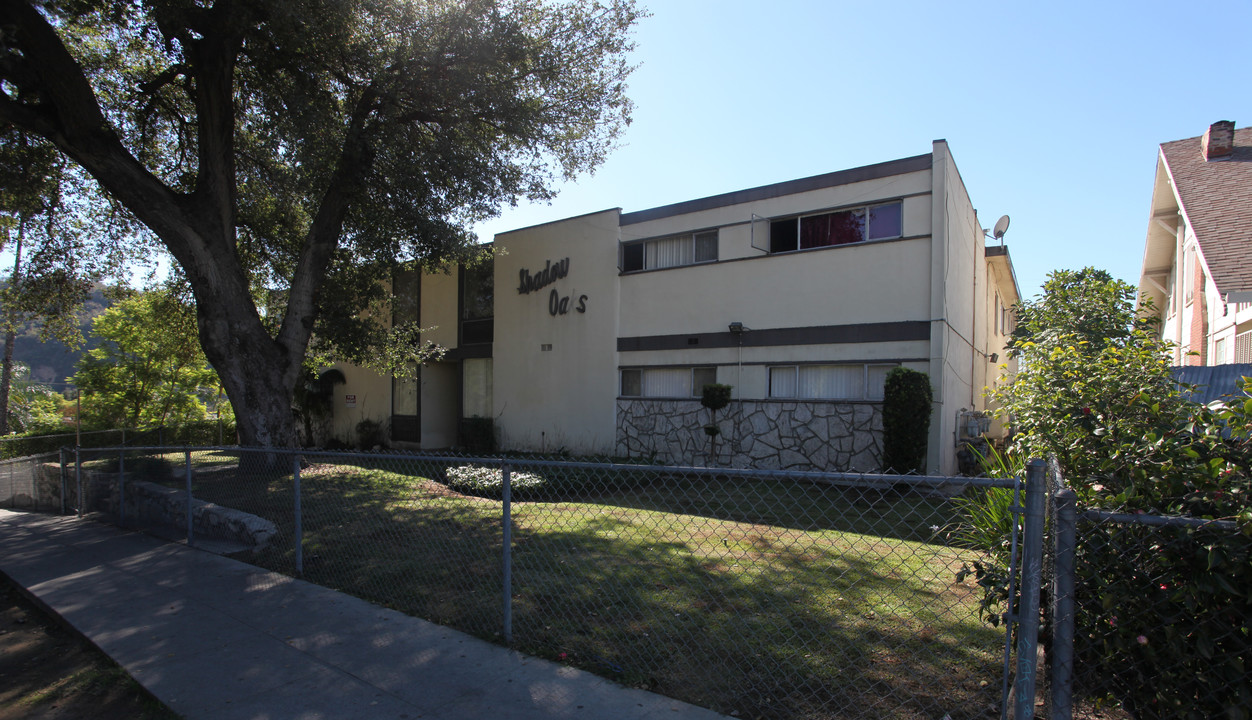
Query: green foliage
(1088,304)
(716,396)
(1161,611)
(149,369)
(906,412)
(34,408)
(986,525)
(1108,408)
(1162,616)
(370,434)
(489,482)
(47,227)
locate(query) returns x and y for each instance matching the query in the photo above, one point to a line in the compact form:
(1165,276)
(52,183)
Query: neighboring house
(595,334)
(1211,383)
(1197,261)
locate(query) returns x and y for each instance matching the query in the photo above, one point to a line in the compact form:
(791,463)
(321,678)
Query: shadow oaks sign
(558,304)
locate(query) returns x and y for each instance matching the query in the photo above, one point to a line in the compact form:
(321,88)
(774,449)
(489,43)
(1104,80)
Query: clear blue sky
(1053,110)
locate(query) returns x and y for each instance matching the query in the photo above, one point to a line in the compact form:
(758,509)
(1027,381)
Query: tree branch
(353,165)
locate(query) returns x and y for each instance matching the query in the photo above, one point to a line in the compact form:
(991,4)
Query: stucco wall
(958,266)
(875,282)
(563,396)
(371,394)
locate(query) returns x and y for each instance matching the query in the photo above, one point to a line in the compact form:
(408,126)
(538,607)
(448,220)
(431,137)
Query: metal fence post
(64,489)
(1032,578)
(121,488)
(190,531)
(506,497)
(1062,649)
(299,539)
(78,476)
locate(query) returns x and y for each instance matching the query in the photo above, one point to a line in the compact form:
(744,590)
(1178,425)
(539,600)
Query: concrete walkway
(216,638)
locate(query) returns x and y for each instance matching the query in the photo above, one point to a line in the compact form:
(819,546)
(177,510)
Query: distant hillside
(52,362)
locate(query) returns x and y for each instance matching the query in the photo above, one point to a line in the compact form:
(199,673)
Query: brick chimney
(1219,141)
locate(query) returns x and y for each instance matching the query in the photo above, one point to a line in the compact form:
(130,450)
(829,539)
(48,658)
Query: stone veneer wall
(766,435)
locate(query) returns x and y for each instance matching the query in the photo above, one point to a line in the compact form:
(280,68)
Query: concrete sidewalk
(216,638)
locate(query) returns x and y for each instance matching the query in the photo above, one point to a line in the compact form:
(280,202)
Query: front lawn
(763,598)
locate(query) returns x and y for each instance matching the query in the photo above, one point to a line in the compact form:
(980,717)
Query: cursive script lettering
(558,305)
(551,272)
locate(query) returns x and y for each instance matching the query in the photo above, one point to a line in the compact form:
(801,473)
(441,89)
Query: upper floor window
(477,303)
(686,249)
(842,227)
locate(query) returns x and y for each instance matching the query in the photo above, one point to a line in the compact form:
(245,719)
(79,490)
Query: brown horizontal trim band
(469,352)
(790,187)
(774,337)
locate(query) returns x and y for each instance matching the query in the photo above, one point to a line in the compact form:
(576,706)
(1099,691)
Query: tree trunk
(257,374)
(10,332)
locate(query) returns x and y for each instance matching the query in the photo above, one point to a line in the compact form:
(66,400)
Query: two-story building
(595,334)
(1197,259)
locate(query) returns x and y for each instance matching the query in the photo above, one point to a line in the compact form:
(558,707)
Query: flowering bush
(1161,613)
(489,482)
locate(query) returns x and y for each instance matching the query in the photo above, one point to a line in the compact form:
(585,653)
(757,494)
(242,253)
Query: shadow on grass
(774,601)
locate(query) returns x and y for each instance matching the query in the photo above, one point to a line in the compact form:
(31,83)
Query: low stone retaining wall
(765,435)
(155,504)
(150,502)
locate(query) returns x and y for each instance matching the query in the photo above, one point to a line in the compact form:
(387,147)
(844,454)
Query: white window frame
(864,209)
(693,238)
(866,392)
(694,391)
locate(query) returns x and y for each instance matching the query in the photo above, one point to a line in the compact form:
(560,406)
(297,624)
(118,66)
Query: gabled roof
(1216,198)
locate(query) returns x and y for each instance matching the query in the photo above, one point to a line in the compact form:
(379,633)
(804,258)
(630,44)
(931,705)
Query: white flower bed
(477,480)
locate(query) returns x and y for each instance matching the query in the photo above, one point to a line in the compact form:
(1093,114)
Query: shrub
(489,482)
(985,526)
(906,410)
(714,397)
(478,434)
(370,435)
(1161,613)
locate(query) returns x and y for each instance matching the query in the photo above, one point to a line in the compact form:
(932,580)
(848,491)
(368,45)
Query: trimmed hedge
(906,411)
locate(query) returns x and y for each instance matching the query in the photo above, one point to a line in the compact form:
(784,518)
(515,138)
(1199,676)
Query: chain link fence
(31,483)
(202,432)
(1151,616)
(756,594)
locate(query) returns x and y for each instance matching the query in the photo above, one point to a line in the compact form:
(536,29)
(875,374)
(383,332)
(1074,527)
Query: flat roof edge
(788,187)
(561,220)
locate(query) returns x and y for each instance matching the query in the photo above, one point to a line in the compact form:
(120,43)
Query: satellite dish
(1002,226)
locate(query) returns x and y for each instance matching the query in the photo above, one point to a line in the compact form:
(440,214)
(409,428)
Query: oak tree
(289,155)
